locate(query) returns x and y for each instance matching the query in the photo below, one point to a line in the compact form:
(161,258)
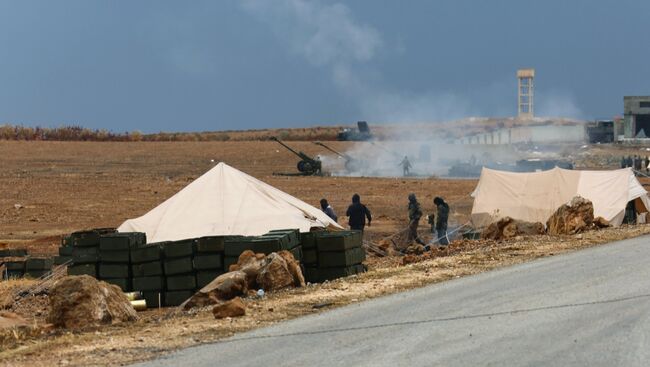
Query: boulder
(82,301)
(275,273)
(510,228)
(294,268)
(224,287)
(574,217)
(250,263)
(232,308)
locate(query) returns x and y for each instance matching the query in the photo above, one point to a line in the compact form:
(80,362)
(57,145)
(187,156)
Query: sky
(157,65)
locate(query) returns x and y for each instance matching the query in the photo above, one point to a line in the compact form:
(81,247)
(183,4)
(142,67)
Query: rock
(275,273)
(574,217)
(224,287)
(233,308)
(601,222)
(251,264)
(511,228)
(82,301)
(294,268)
(10,319)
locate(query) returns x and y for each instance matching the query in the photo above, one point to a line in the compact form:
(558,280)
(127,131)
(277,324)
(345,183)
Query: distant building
(525,93)
(636,117)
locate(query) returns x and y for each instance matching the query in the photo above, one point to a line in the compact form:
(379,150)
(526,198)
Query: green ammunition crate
(65,250)
(310,256)
(293,234)
(83,269)
(283,238)
(255,244)
(89,238)
(148,283)
(66,241)
(60,260)
(108,271)
(147,253)
(181,282)
(85,255)
(15,265)
(122,241)
(39,263)
(115,256)
(153,296)
(182,248)
(308,240)
(13,252)
(175,298)
(178,266)
(208,261)
(210,244)
(341,258)
(336,241)
(147,269)
(34,273)
(204,277)
(123,283)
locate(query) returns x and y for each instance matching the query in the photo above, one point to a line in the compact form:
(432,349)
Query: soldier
(406,166)
(415,213)
(623,162)
(357,214)
(647,164)
(327,209)
(442,216)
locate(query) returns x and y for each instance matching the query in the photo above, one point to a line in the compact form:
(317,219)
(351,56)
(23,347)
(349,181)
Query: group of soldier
(638,163)
(358,213)
(437,221)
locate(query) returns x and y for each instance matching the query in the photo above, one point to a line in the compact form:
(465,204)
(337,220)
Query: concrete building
(541,134)
(636,117)
(525,93)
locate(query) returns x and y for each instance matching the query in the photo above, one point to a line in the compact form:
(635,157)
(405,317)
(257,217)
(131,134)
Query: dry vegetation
(66,186)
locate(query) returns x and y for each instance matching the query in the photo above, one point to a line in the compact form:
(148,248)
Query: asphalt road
(588,308)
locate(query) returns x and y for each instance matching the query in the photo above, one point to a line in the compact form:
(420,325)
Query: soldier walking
(406,166)
(415,213)
(442,216)
(357,214)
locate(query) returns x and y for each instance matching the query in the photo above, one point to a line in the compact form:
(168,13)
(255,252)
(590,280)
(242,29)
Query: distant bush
(78,133)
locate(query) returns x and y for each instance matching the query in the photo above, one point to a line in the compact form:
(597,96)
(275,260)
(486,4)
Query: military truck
(361,133)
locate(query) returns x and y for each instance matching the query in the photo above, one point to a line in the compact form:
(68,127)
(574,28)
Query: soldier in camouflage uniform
(415,213)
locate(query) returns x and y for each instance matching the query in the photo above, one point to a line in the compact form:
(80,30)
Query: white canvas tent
(226,201)
(535,196)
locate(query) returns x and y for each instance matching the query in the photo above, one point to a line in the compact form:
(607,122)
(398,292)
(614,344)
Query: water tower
(525,93)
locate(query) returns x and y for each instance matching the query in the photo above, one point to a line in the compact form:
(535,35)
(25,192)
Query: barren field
(51,188)
(60,187)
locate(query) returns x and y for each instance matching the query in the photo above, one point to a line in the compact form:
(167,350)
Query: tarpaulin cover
(535,196)
(226,201)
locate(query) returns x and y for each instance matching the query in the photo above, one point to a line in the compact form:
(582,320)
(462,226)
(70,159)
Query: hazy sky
(215,65)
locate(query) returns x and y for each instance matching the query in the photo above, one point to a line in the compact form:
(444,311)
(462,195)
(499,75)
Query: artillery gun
(351,164)
(307,166)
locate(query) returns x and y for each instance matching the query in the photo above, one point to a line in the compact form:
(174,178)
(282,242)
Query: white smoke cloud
(555,103)
(328,36)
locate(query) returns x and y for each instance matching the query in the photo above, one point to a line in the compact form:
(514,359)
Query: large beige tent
(226,201)
(535,196)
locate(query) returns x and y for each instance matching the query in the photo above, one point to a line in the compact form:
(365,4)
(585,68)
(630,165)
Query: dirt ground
(51,188)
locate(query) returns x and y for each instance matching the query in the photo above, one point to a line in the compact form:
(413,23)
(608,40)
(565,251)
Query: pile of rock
(253,271)
(575,217)
(510,228)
